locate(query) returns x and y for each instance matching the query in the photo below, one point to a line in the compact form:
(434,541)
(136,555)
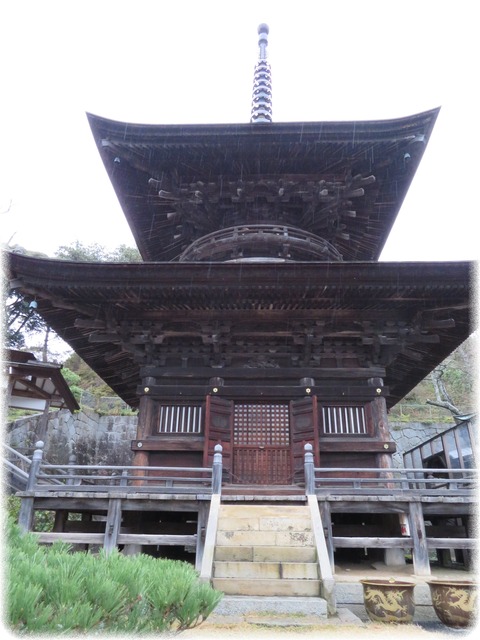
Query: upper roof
(341,181)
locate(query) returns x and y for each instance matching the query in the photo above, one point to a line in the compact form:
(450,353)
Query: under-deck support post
(421,563)
(112,525)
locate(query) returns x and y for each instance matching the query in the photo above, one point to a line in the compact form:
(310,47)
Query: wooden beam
(262,391)
(157,539)
(245,373)
(452,543)
(345,443)
(371,542)
(163,442)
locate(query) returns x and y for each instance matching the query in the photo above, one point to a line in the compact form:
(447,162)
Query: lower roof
(197,320)
(36,385)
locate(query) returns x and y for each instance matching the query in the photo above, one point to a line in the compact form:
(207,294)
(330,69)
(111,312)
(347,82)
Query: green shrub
(53,590)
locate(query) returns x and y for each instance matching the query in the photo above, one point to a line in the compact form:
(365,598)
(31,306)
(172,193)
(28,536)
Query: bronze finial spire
(262,81)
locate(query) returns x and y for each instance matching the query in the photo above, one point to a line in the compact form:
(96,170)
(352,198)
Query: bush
(52,590)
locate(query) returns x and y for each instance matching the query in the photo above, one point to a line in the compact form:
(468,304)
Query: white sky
(192,62)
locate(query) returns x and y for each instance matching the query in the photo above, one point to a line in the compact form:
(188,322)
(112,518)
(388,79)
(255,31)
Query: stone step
(263,523)
(261,510)
(267,587)
(266,554)
(262,570)
(232,538)
(265,550)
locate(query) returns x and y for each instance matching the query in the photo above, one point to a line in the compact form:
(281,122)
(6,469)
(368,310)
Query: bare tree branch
(443,399)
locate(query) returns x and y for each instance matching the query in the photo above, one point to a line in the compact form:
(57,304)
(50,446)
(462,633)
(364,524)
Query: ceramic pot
(389,600)
(454,601)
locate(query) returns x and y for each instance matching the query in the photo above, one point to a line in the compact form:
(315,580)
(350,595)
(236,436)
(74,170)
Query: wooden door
(261,444)
(304,429)
(218,430)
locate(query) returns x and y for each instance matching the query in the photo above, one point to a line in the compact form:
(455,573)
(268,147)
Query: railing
(107,478)
(387,481)
(17,466)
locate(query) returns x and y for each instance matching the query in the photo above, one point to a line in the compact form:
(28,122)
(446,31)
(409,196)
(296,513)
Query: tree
(78,252)
(21,319)
(453,379)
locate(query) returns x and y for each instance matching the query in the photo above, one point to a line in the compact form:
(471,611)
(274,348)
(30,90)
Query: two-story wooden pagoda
(261,318)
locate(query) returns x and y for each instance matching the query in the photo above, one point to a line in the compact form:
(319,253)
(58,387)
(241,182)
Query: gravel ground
(350,623)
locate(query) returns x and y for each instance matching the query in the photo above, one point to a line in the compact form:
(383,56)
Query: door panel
(304,428)
(218,430)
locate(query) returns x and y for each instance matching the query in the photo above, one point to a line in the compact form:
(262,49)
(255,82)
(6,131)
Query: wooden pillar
(380,422)
(421,563)
(470,532)
(61,517)
(144,428)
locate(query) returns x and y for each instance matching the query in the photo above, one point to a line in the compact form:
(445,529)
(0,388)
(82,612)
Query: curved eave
(133,153)
(73,297)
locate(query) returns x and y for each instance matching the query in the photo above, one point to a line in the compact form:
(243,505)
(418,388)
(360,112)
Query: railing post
(72,458)
(25,517)
(217,470)
(309,470)
(35,466)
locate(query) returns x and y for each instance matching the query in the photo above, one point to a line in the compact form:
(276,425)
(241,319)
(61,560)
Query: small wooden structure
(36,385)
(261,319)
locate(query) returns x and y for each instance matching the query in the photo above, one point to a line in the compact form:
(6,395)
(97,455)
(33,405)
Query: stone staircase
(265,550)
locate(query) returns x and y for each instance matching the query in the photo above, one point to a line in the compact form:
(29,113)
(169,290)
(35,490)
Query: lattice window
(261,424)
(344,420)
(180,419)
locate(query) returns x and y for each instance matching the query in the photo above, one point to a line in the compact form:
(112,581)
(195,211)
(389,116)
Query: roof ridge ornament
(262,81)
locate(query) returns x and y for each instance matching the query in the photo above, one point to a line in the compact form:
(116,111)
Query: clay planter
(389,600)
(454,601)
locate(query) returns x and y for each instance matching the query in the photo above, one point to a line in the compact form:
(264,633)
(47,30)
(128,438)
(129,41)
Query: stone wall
(92,438)
(96,439)
(410,434)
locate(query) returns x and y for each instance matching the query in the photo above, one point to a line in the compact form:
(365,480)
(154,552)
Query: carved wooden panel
(261,444)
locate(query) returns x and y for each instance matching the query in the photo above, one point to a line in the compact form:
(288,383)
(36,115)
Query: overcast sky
(192,62)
